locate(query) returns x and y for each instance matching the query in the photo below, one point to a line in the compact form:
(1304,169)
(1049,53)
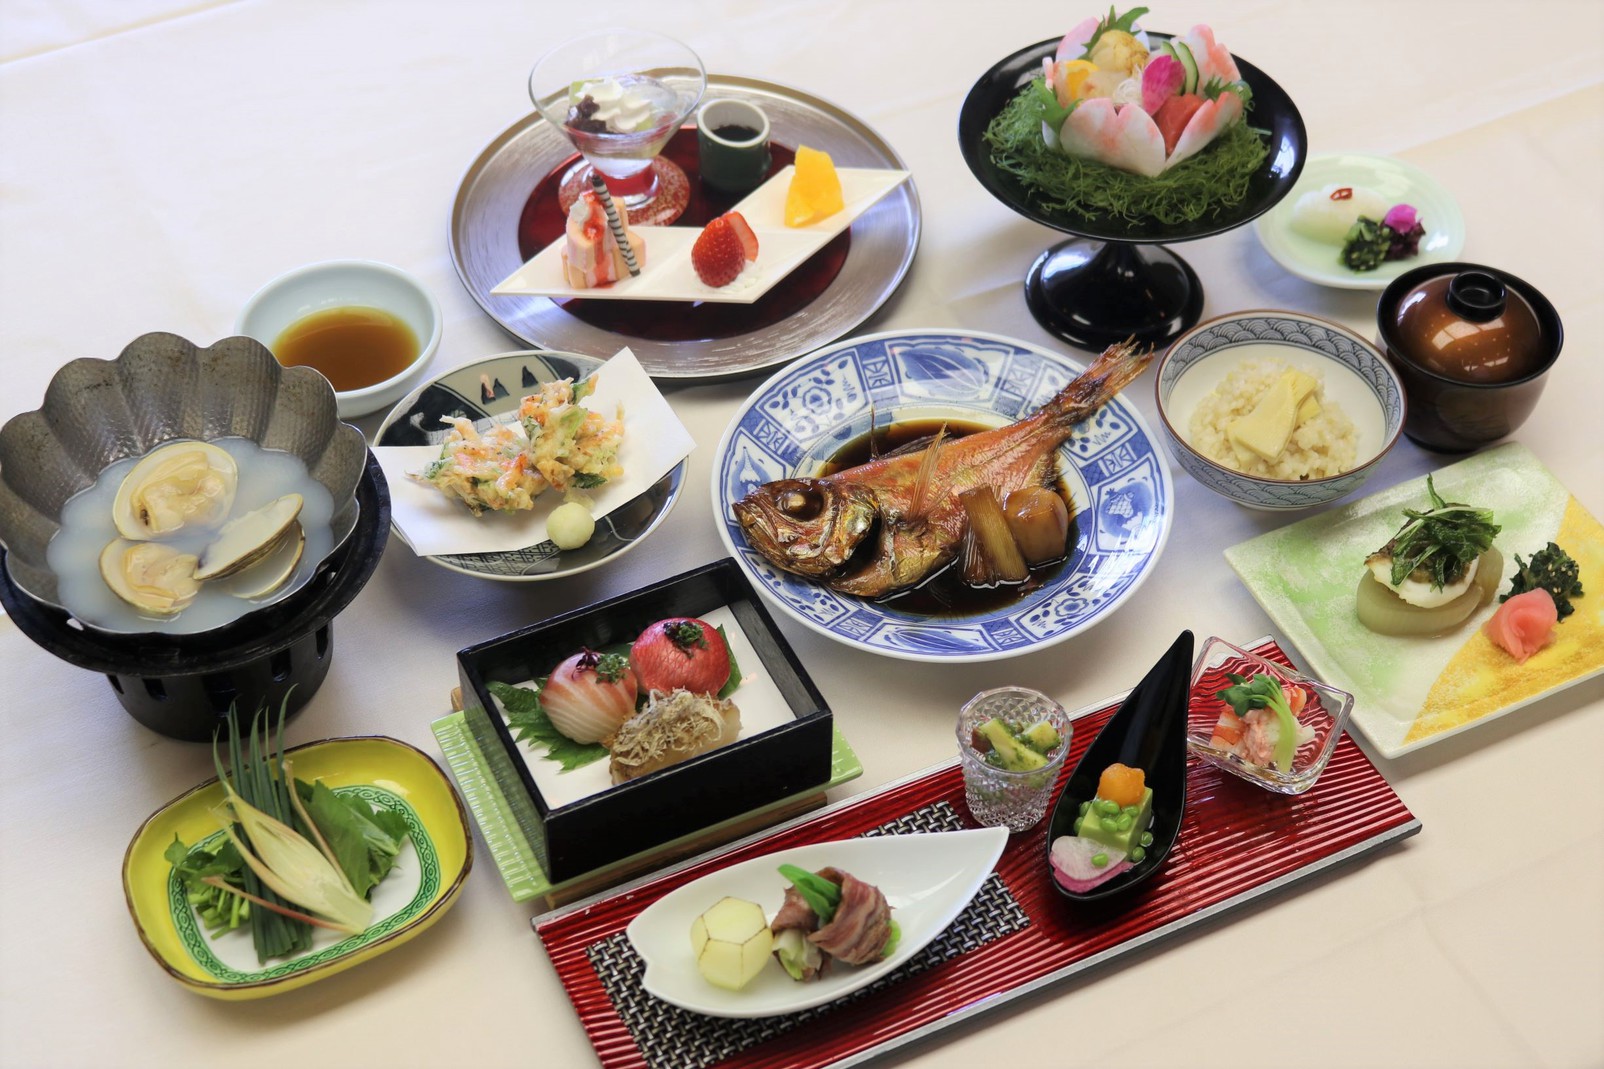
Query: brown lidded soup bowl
(1472,346)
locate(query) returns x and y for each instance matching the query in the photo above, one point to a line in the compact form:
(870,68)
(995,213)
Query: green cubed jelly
(1112,829)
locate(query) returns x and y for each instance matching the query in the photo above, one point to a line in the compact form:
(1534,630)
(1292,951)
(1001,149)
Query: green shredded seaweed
(1204,185)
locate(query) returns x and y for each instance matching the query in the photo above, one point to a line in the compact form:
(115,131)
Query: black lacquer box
(757,769)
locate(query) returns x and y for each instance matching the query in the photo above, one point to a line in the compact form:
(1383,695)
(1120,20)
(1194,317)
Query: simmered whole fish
(909,501)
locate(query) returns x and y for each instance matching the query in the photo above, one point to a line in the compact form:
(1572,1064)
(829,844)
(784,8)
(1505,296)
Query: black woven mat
(672,1038)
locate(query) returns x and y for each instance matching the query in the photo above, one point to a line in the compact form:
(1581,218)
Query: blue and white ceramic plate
(1112,466)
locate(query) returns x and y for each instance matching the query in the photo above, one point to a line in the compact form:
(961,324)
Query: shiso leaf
(531,726)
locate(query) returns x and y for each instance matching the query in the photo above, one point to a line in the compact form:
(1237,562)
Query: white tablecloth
(160,159)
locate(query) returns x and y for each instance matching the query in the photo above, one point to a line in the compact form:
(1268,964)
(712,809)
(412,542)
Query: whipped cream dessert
(619,106)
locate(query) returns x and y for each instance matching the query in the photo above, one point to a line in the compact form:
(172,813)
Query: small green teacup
(732,137)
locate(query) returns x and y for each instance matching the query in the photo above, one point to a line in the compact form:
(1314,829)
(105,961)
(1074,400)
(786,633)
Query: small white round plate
(1395,180)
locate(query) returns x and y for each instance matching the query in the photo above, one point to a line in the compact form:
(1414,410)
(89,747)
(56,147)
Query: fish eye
(801,504)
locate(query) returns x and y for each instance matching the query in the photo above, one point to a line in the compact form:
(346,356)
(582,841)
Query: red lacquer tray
(1237,842)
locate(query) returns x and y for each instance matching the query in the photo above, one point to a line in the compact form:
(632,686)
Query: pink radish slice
(1072,863)
(1162,78)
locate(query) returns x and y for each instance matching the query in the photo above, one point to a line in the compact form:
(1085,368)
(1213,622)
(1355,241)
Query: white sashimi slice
(1124,137)
(1205,125)
(1213,59)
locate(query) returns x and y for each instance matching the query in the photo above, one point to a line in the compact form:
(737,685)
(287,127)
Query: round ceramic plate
(1399,183)
(427,877)
(1115,473)
(495,385)
(491,202)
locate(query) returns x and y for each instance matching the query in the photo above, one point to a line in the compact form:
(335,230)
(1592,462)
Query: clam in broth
(279,532)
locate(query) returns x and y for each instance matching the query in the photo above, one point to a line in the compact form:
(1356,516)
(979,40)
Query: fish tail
(1111,372)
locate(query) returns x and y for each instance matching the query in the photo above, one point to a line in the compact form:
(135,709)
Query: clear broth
(353,347)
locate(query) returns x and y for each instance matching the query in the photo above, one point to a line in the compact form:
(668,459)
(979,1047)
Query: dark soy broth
(945,593)
(735,132)
(353,347)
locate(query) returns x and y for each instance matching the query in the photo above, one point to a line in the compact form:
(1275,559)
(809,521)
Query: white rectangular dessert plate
(668,275)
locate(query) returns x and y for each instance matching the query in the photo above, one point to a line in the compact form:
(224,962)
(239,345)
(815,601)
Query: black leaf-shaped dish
(1148,732)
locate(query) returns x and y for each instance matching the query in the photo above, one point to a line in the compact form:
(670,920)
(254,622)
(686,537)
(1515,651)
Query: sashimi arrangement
(1119,122)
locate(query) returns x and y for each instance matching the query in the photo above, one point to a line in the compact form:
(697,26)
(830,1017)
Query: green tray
(515,858)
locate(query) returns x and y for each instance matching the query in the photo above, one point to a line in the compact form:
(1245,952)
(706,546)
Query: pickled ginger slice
(1524,624)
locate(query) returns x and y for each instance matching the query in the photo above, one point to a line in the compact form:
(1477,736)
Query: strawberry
(744,232)
(718,254)
(681,653)
(1173,115)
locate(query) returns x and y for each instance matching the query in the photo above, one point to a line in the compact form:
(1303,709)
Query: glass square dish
(1323,717)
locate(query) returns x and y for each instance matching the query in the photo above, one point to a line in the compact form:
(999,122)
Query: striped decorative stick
(614,222)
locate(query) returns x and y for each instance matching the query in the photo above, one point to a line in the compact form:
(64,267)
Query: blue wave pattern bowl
(1115,473)
(1354,374)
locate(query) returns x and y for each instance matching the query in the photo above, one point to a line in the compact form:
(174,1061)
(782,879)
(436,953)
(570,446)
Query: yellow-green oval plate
(426,880)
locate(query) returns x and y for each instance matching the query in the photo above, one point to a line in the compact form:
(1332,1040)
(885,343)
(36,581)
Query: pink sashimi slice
(1205,125)
(1072,863)
(1162,78)
(1124,137)
(1213,59)
(1524,624)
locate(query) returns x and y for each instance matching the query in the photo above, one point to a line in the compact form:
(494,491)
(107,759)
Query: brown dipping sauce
(945,593)
(353,347)
(1471,328)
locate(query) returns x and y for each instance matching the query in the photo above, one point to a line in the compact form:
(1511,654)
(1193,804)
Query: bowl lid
(1471,324)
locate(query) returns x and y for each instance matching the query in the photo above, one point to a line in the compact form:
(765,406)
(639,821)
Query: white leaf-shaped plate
(927,879)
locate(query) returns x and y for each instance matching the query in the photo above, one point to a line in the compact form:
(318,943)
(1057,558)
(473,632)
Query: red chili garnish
(1342,193)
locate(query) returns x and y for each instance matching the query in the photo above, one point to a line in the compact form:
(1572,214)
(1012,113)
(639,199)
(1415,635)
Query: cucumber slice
(1179,50)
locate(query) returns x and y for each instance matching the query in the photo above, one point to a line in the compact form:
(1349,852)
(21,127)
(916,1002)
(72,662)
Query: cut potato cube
(732,942)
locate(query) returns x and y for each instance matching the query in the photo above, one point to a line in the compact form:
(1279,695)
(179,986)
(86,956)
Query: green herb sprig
(1440,542)
(1264,691)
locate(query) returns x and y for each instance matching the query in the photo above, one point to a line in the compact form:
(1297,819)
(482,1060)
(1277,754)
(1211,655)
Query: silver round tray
(484,243)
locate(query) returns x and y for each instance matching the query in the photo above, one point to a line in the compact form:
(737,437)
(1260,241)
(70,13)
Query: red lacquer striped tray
(1237,842)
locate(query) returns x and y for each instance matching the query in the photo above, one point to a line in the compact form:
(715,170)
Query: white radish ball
(570,525)
(732,942)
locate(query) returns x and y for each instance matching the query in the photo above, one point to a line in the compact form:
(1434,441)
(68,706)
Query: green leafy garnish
(1552,569)
(1204,185)
(364,840)
(1044,104)
(735,669)
(586,480)
(1264,691)
(1440,542)
(531,725)
(218,909)
(1125,23)
(821,895)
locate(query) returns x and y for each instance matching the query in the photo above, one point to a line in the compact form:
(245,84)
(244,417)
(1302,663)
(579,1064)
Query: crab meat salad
(1111,831)
(827,916)
(1259,721)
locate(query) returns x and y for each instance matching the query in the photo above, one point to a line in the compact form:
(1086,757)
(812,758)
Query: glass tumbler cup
(1009,776)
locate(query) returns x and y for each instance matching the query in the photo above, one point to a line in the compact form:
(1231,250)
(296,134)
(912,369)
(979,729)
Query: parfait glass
(619,96)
